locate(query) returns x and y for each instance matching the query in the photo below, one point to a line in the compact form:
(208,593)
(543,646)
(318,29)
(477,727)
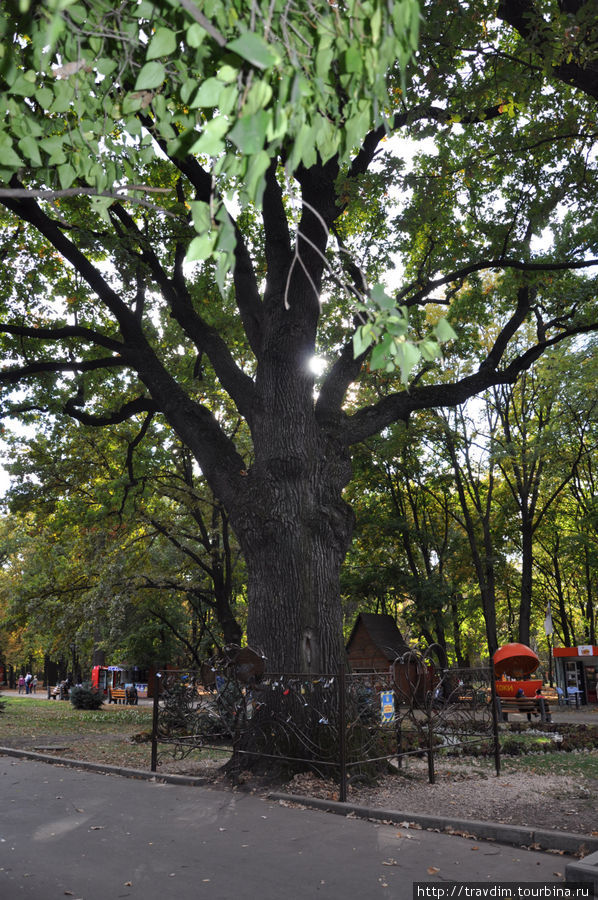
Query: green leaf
(195,35)
(408,355)
(131,103)
(380,354)
(163,43)
(259,96)
(362,339)
(254,49)
(443,331)
(210,143)
(22,87)
(8,157)
(227,74)
(29,147)
(145,10)
(63,97)
(254,183)
(201,247)
(381,298)
(188,89)
(105,66)
(55,148)
(202,217)
(208,93)
(354,59)
(249,132)
(151,76)
(430,350)
(44,97)
(227,240)
(66,175)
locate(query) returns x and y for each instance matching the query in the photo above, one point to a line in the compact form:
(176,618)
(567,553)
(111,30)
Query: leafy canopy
(235,82)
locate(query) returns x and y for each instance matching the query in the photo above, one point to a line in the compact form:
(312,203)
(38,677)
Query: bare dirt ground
(561,802)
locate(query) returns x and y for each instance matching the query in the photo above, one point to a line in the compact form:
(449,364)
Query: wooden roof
(383,632)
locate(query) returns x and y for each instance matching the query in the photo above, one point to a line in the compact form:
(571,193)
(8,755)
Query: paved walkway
(70,833)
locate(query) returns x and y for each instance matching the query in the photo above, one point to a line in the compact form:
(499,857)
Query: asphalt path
(70,833)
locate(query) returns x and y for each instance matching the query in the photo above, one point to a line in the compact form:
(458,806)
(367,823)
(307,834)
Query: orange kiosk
(513,666)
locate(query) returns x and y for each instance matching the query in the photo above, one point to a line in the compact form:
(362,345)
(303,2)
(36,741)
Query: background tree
(119,561)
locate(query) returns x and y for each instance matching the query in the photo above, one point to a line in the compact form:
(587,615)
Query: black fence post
(399,732)
(342,733)
(496,737)
(154,762)
(236,755)
(431,773)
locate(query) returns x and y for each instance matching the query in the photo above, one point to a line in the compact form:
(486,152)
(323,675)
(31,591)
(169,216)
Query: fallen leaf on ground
(433,870)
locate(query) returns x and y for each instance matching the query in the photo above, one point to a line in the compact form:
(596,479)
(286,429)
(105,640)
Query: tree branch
(60,334)
(16,373)
(239,386)
(126,411)
(398,407)
(525,17)
(246,287)
(498,263)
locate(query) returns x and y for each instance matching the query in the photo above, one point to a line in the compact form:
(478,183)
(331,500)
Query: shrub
(2,704)
(83,696)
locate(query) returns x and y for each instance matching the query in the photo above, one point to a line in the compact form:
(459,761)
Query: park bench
(531,706)
(117,695)
(122,695)
(59,692)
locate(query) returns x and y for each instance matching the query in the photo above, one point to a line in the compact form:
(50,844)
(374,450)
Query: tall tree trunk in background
(527,561)
(590,616)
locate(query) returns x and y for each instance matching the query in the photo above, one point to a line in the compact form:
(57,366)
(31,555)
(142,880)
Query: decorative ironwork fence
(341,725)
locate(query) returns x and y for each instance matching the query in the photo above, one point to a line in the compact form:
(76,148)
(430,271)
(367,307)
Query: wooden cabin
(375,643)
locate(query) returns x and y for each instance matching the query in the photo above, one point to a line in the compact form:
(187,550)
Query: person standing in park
(21,683)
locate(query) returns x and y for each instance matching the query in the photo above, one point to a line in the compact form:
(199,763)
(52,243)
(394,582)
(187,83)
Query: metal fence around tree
(343,726)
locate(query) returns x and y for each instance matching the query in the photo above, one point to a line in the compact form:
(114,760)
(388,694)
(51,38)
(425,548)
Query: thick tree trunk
(294,536)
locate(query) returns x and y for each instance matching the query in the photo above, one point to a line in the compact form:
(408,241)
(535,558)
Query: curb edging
(105,768)
(537,838)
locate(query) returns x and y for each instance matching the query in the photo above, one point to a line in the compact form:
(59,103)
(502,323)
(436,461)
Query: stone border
(105,769)
(537,838)
(584,870)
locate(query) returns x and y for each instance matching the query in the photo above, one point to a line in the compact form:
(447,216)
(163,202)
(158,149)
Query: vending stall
(576,670)
(105,678)
(514,665)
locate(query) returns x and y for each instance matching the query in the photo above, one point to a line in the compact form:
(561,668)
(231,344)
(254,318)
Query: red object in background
(516,660)
(510,688)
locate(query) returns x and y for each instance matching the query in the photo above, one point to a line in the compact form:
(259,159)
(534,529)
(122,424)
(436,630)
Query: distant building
(375,643)
(577,672)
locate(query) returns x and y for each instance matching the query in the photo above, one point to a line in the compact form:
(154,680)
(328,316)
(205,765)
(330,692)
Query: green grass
(30,716)
(91,735)
(579,765)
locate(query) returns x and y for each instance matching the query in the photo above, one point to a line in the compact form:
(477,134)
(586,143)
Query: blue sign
(387,707)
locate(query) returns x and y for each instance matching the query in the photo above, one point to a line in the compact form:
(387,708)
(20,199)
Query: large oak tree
(105,317)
